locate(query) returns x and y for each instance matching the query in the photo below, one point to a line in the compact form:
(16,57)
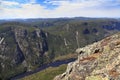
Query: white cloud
(26,11)
(66,8)
(9,3)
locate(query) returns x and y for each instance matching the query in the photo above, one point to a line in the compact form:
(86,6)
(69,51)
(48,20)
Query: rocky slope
(98,61)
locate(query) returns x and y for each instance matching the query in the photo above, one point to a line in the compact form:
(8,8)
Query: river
(54,64)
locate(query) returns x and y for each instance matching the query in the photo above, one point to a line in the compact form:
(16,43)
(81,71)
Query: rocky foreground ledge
(98,61)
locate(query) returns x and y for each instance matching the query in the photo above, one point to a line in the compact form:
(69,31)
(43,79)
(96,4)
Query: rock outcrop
(98,61)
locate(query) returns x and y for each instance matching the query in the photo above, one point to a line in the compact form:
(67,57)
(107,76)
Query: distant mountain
(47,22)
(26,45)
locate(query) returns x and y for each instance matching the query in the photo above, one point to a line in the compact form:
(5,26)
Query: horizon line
(60,17)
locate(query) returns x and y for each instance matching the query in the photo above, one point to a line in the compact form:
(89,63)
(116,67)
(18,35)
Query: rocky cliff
(98,61)
(21,49)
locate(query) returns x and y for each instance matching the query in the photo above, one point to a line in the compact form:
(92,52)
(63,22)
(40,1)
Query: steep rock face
(24,48)
(98,61)
(21,50)
(32,45)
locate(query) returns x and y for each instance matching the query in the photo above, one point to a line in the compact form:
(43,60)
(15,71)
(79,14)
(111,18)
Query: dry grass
(68,56)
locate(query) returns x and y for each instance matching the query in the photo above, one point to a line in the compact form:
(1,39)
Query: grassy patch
(47,74)
(65,57)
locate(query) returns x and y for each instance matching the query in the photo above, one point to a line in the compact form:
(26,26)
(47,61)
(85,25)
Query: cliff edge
(98,61)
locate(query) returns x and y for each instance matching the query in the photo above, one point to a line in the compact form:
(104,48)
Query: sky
(12,9)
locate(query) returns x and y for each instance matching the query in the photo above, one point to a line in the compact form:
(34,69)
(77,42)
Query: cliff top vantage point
(98,61)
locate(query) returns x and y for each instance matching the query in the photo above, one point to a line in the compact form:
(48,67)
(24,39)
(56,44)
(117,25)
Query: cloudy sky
(10,9)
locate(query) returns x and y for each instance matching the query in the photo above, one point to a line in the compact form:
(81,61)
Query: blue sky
(11,9)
